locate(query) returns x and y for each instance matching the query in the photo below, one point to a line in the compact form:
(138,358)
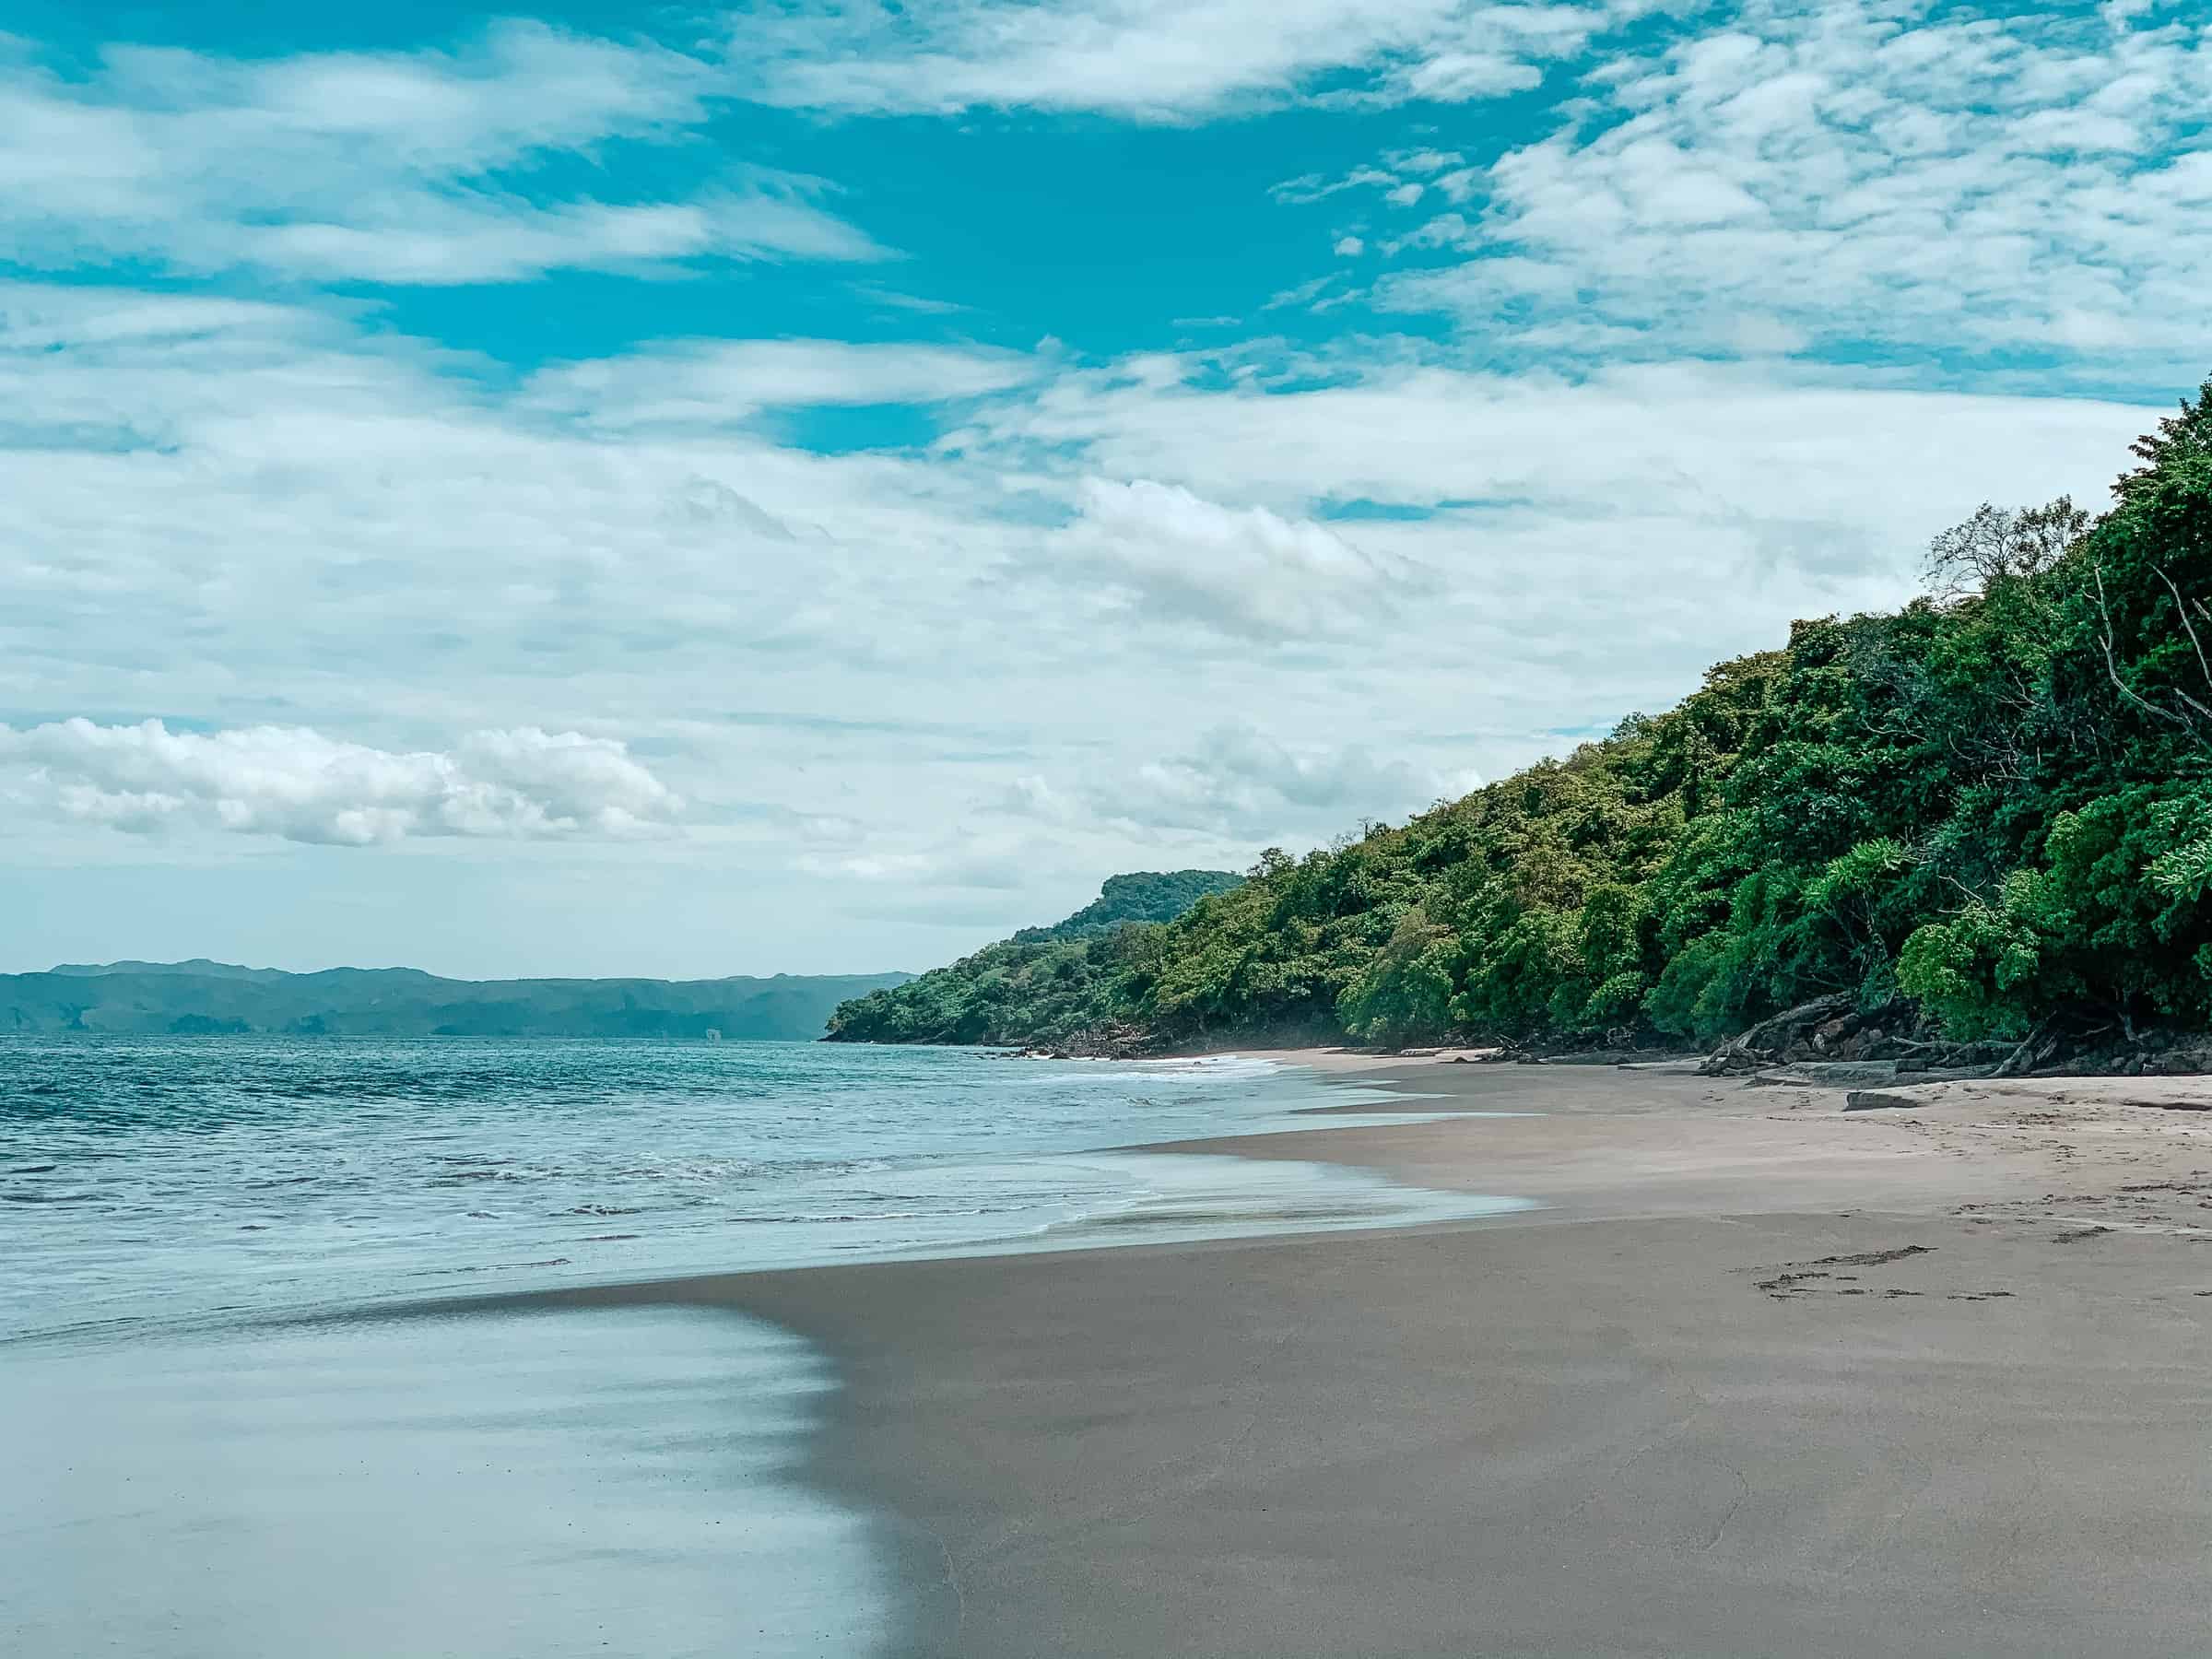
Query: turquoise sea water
(197,1470)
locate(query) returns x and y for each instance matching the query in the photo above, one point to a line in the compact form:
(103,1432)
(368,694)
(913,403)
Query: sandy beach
(1761,1378)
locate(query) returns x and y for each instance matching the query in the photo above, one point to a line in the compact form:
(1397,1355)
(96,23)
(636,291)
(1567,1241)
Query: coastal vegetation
(1044,984)
(1992,807)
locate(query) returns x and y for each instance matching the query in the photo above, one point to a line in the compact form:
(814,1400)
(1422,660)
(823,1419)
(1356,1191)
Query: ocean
(230,1433)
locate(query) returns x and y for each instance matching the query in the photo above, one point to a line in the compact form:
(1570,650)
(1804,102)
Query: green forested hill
(1044,982)
(212,997)
(1995,803)
(1144,895)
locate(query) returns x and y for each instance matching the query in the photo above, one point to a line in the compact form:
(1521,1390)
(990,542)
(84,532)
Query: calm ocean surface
(195,1473)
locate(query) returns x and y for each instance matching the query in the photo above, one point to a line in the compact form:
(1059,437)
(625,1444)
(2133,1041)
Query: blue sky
(597,489)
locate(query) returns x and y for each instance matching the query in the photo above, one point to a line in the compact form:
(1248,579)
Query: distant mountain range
(198,968)
(204,997)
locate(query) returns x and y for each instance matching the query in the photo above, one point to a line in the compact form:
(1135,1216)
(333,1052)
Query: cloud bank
(712,383)
(1241,784)
(1801,176)
(1156,60)
(399,167)
(1167,553)
(300,785)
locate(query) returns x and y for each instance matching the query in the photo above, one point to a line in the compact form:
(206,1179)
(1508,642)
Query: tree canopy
(1044,984)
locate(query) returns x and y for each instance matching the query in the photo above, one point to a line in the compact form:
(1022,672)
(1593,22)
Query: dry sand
(1763,1379)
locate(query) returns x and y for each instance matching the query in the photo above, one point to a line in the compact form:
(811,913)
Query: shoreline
(1925,1382)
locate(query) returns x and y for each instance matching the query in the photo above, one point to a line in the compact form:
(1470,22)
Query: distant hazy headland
(1043,982)
(203,998)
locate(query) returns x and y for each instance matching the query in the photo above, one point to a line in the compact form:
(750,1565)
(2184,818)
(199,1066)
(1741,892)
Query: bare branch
(1999,544)
(2112,664)
(1972,897)
(2112,668)
(2181,605)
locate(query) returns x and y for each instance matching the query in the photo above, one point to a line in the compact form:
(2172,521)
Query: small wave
(488,1267)
(835,1216)
(469,1177)
(1230,1209)
(704,1169)
(1215,1065)
(72,1329)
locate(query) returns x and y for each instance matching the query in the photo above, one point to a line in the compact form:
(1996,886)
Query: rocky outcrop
(1099,1042)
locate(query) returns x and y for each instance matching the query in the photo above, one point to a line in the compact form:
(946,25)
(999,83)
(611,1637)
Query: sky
(602,490)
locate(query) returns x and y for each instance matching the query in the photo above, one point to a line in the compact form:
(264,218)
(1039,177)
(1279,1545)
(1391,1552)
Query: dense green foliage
(1142,896)
(1044,983)
(1997,800)
(205,998)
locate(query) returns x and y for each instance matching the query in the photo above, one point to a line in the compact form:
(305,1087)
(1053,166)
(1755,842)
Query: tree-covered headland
(1992,807)
(1043,985)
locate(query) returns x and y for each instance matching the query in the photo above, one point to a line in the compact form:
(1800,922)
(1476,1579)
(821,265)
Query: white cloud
(1172,555)
(1154,60)
(1348,247)
(1406,429)
(392,166)
(1241,784)
(987,862)
(1959,182)
(1313,187)
(1584,548)
(877,293)
(491,238)
(253,513)
(1424,162)
(709,381)
(300,786)
(1464,76)
(1304,293)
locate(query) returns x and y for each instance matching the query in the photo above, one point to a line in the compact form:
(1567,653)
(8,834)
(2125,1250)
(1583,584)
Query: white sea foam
(1167,1197)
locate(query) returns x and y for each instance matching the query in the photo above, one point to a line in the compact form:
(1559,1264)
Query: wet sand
(1763,1379)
